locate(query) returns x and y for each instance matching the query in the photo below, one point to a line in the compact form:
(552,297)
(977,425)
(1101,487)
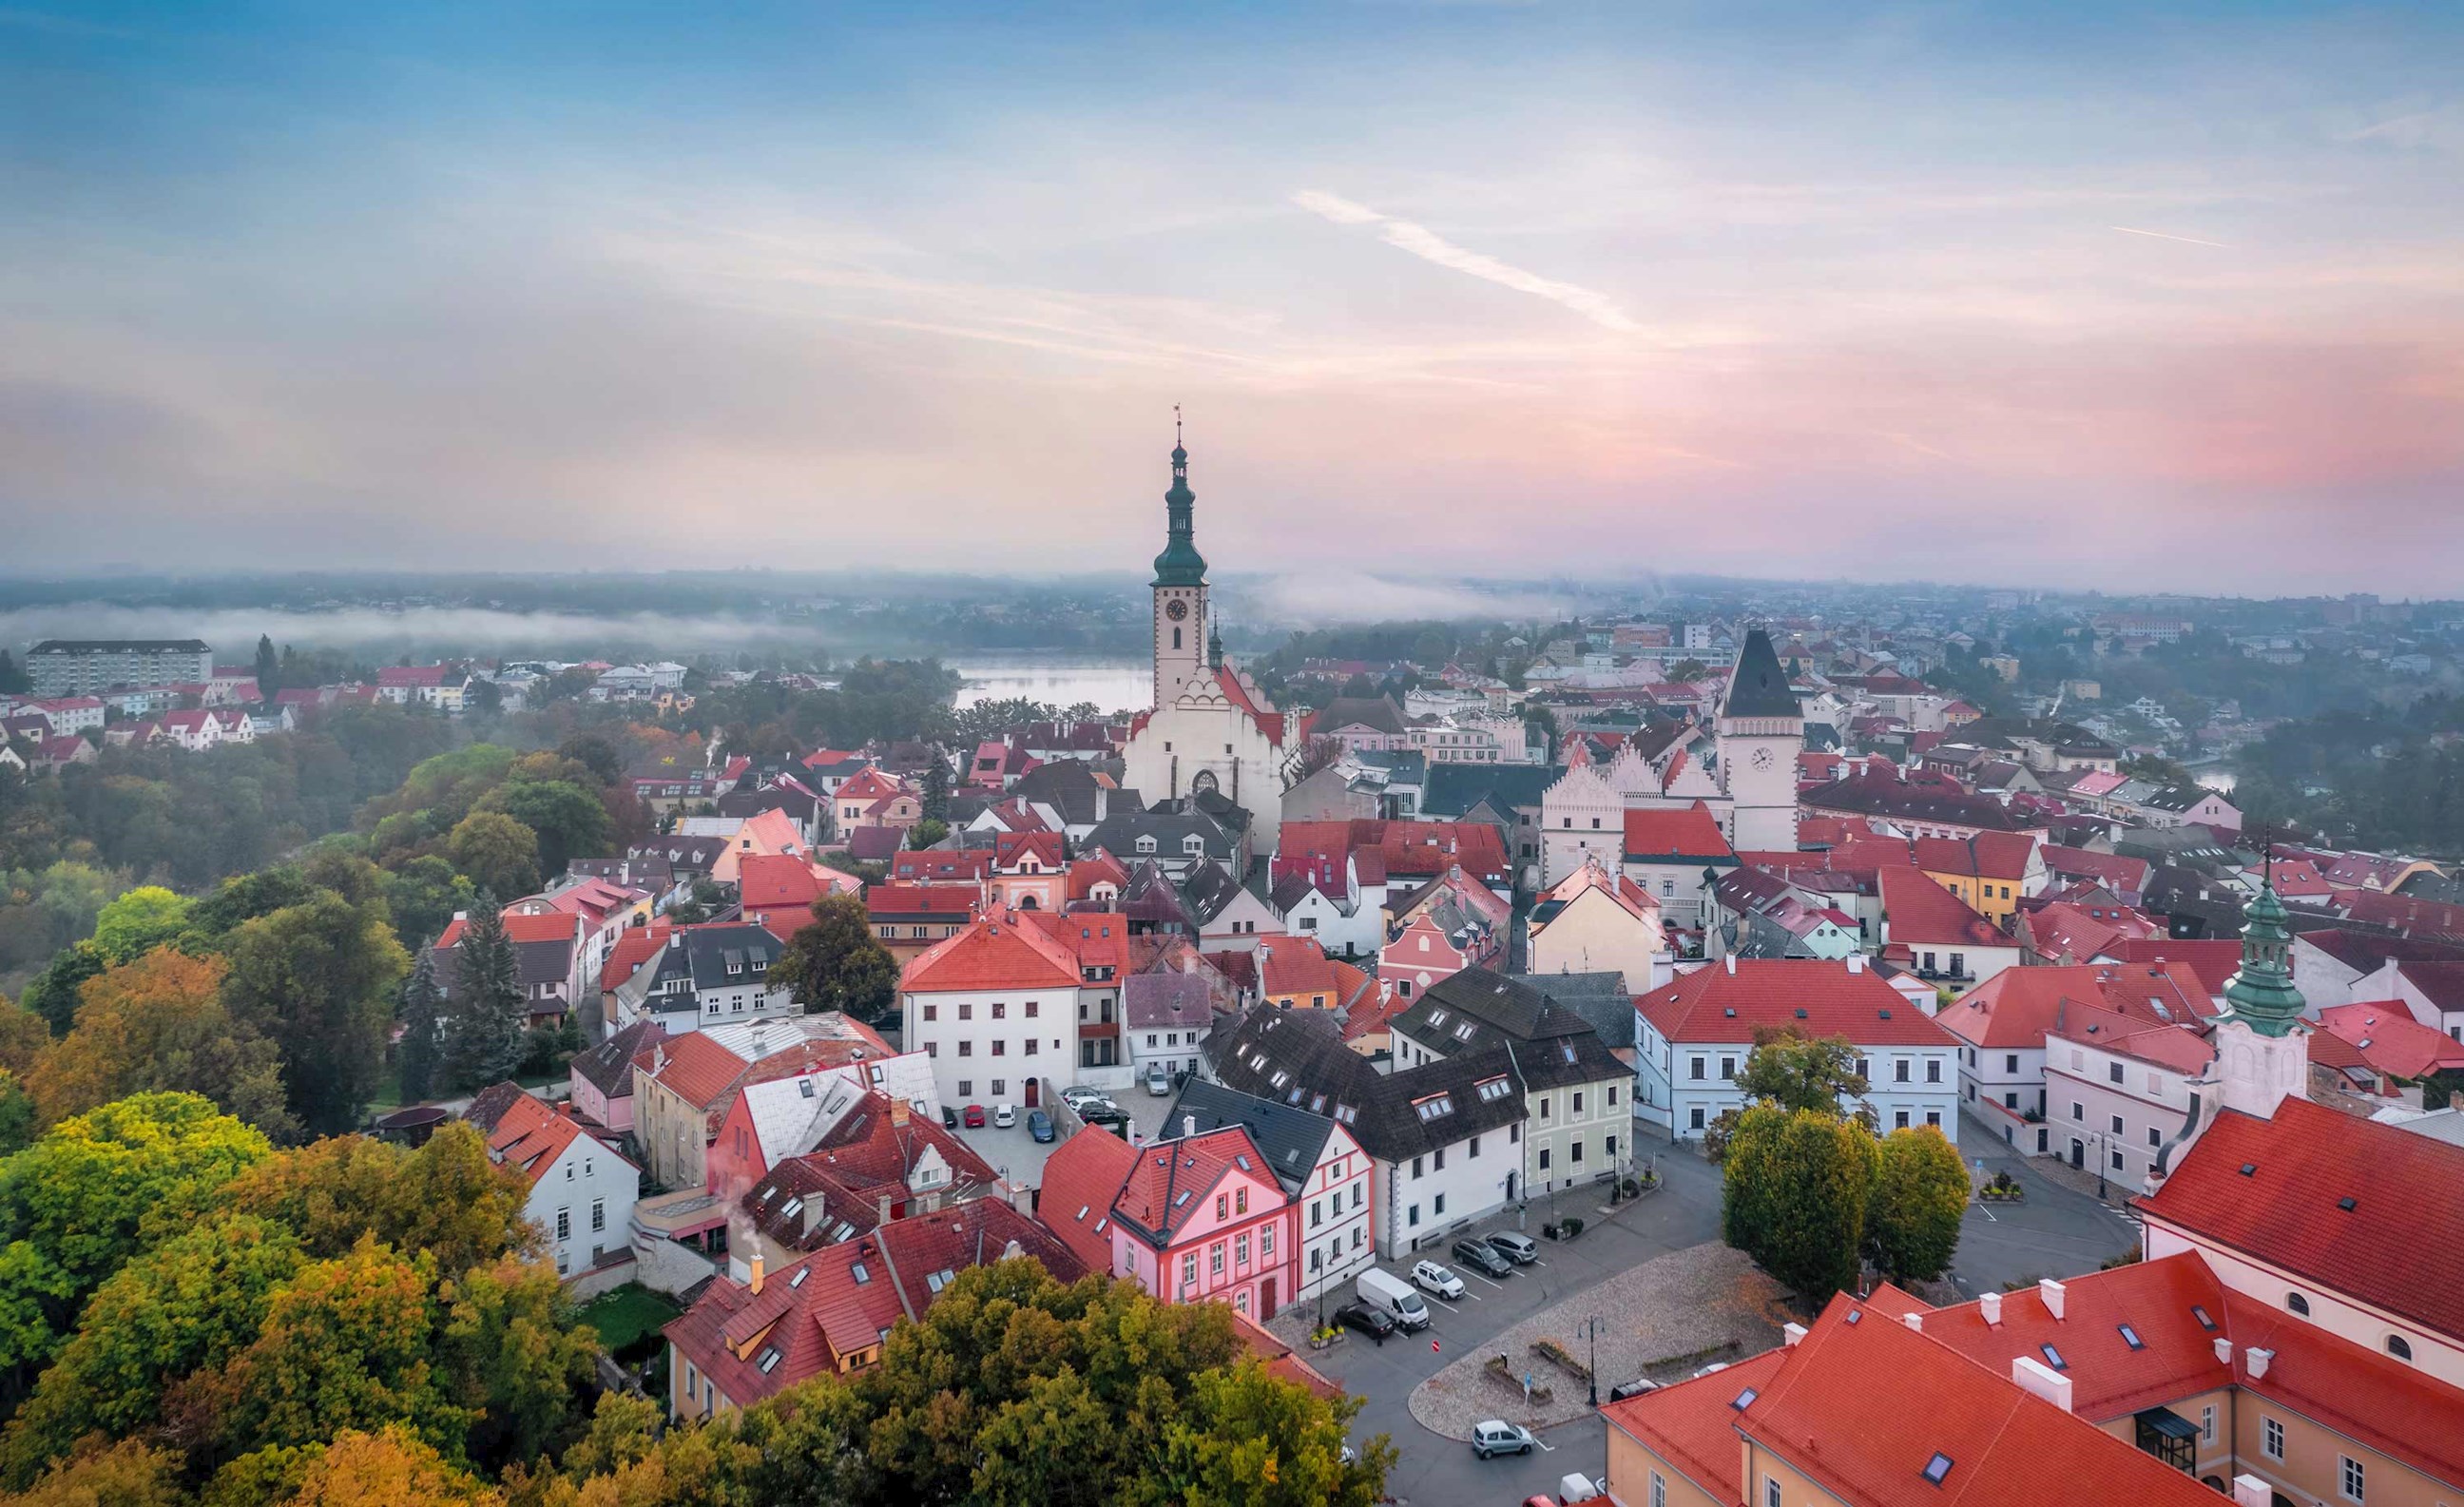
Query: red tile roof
(2395,1249)
(929,864)
(2176,1358)
(772,882)
(1920,912)
(2125,875)
(698,1069)
(1080,1179)
(2391,1040)
(1296,965)
(922,899)
(2361,1393)
(1666,835)
(1986,855)
(2018,1008)
(1713,1005)
(1011,849)
(638,945)
(555,926)
(1171,1180)
(2212,959)
(1692,1426)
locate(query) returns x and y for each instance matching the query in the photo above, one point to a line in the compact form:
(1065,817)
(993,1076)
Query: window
(1031,1008)
(2117,1162)
(966,1049)
(932,1012)
(1770,1491)
(1727,1067)
(2208,1424)
(1000,1047)
(1438,1207)
(1546,1104)
(2113,1072)
(2350,1479)
(1355,1200)
(1933,1118)
(1575,1153)
(1899,1119)
(1959,964)
(966,1012)
(1222,1205)
(1697,1074)
(2271,1438)
(1241,1250)
(1695,1121)
(1579,1103)
(2009,1062)
(1001,1011)
(1612,1095)
(2400,1347)
(599,1214)
(1414,1214)
(1416,1166)
(1188,1269)
(1437,1160)
(1937,1470)
(1214,1258)
(2079,1111)
(966,1088)
(2117,1125)
(1900,1071)
(1267,1240)
(1611,1149)
(564,1224)
(1240,1198)
(1544,1159)
(1030,1050)
(1933,1070)
(2298,1303)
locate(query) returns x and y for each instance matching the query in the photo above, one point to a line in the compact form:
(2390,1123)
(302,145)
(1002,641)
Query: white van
(1393,1296)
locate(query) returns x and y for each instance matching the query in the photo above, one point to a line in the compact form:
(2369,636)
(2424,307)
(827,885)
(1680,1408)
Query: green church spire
(2262,995)
(1180,563)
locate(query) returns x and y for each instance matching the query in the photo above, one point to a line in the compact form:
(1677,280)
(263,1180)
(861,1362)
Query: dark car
(1626,1389)
(1039,1124)
(1517,1249)
(1482,1257)
(1365,1319)
(948,1118)
(974,1117)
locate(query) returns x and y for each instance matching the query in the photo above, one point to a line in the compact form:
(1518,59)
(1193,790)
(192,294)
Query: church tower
(1761,732)
(2261,1043)
(1181,626)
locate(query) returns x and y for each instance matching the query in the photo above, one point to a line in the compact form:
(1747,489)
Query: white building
(2113,1101)
(1692,1038)
(1762,731)
(582,1191)
(705,977)
(996,1008)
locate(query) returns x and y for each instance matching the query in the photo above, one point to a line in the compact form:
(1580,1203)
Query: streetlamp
(1594,1328)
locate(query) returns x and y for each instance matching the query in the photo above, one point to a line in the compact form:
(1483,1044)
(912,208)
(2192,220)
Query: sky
(2077,294)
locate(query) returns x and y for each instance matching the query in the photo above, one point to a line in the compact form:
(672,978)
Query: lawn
(627,1316)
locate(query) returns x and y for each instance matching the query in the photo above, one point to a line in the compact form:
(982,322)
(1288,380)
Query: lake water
(1115,685)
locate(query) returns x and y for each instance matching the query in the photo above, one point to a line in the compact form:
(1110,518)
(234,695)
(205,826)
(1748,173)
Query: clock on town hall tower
(1179,589)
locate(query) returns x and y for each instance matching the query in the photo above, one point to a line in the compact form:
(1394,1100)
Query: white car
(1496,1436)
(1004,1115)
(1430,1278)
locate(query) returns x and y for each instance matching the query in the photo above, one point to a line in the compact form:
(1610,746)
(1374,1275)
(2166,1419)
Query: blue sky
(2075,294)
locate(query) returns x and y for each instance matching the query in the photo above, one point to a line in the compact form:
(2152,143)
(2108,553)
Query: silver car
(1496,1436)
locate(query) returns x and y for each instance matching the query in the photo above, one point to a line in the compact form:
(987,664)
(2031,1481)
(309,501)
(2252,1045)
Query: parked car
(974,1117)
(1635,1388)
(1039,1124)
(948,1118)
(1158,1082)
(1078,1094)
(1004,1115)
(1393,1296)
(1515,1248)
(1430,1278)
(1368,1320)
(1496,1436)
(1482,1257)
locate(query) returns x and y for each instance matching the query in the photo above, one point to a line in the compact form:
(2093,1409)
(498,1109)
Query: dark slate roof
(545,962)
(1167,1001)
(1150,900)
(702,954)
(1292,1139)
(1455,788)
(1879,795)
(489,1105)
(1475,1010)
(1298,1059)
(1210,889)
(1378,713)
(1759,687)
(608,1066)
(1118,835)
(741,802)
(1068,785)
(1599,998)
(685,855)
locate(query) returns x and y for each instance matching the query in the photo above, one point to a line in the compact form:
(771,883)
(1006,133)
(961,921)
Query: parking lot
(1016,1156)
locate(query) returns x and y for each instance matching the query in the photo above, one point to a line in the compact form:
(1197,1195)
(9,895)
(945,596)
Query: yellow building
(1989,872)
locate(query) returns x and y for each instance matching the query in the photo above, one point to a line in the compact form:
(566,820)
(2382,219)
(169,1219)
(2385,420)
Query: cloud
(2187,240)
(1331,596)
(1429,246)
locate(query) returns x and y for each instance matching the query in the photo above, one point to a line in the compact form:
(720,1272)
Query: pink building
(1191,1220)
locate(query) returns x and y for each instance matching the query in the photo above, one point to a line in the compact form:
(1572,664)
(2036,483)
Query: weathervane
(1175,425)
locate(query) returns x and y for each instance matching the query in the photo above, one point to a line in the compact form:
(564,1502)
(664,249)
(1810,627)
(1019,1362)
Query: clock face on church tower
(1176,609)
(1762,759)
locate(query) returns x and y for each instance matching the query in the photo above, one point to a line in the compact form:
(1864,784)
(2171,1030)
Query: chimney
(2041,1379)
(2224,1351)
(1914,1320)
(1189,1124)
(658,1059)
(1989,1305)
(1856,962)
(897,1113)
(1012,1250)
(757,1271)
(1732,965)
(1791,1334)
(2249,1491)
(881,1209)
(2255,1360)
(2051,1292)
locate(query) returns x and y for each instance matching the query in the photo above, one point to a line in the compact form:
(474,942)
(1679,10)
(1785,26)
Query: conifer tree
(421,1028)
(484,1034)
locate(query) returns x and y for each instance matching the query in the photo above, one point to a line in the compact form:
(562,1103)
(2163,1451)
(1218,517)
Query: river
(1115,685)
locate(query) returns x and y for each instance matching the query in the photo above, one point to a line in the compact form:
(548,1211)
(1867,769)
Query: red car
(974,1117)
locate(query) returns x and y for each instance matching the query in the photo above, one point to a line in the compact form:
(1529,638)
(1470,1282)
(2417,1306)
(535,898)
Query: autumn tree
(510,1357)
(1795,1194)
(392,1465)
(137,922)
(834,961)
(79,1202)
(1794,1070)
(161,1023)
(1920,1197)
(318,978)
(129,1474)
(447,1198)
(423,1024)
(485,1016)
(498,852)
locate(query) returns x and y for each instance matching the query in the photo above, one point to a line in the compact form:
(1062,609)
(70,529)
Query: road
(2054,1232)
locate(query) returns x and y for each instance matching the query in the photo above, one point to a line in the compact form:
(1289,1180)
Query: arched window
(1176,638)
(2400,1347)
(2298,1303)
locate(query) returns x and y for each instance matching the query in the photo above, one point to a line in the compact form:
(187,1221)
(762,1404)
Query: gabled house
(1578,1094)
(1945,942)
(582,1191)
(705,976)
(1195,1217)
(1597,918)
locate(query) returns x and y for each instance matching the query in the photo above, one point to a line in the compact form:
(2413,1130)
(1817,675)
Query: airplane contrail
(2190,240)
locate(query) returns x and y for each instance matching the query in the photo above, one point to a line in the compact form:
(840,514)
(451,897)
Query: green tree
(510,1355)
(159,1024)
(486,1013)
(423,1024)
(834,961)
(144,918)
(1920,1197)
(318,979)
(447,1198)
(1252,1440)
(54,993)
(18,1116)
(14,682)
(498,852)
(269,668)
(570,820)
(189,1304)
(927,832)
(244,898)
(595,753)
(1794,1070)
(423,893)
(80,1202)
(1795,1194)
(936,805)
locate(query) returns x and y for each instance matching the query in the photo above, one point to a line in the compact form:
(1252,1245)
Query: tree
(1247,1438)
(393,1466)
(14,682)
(421,894)
(24,1037)
(18,1116)
(144,918)
(595,753)
(54,993)
(81,1201)
(423,1025)
(161,1023)
(1317,754)
(129,1474)
(485,1016)
(1920,1197)
(189,1304)
(935,806)
(510,1357)
(269,668)
(498,852)
(834,961)
(927,832)
(318,979)
(1794,1195)
(244,898)
(570,820)
(449,1198)
(1794,1071)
